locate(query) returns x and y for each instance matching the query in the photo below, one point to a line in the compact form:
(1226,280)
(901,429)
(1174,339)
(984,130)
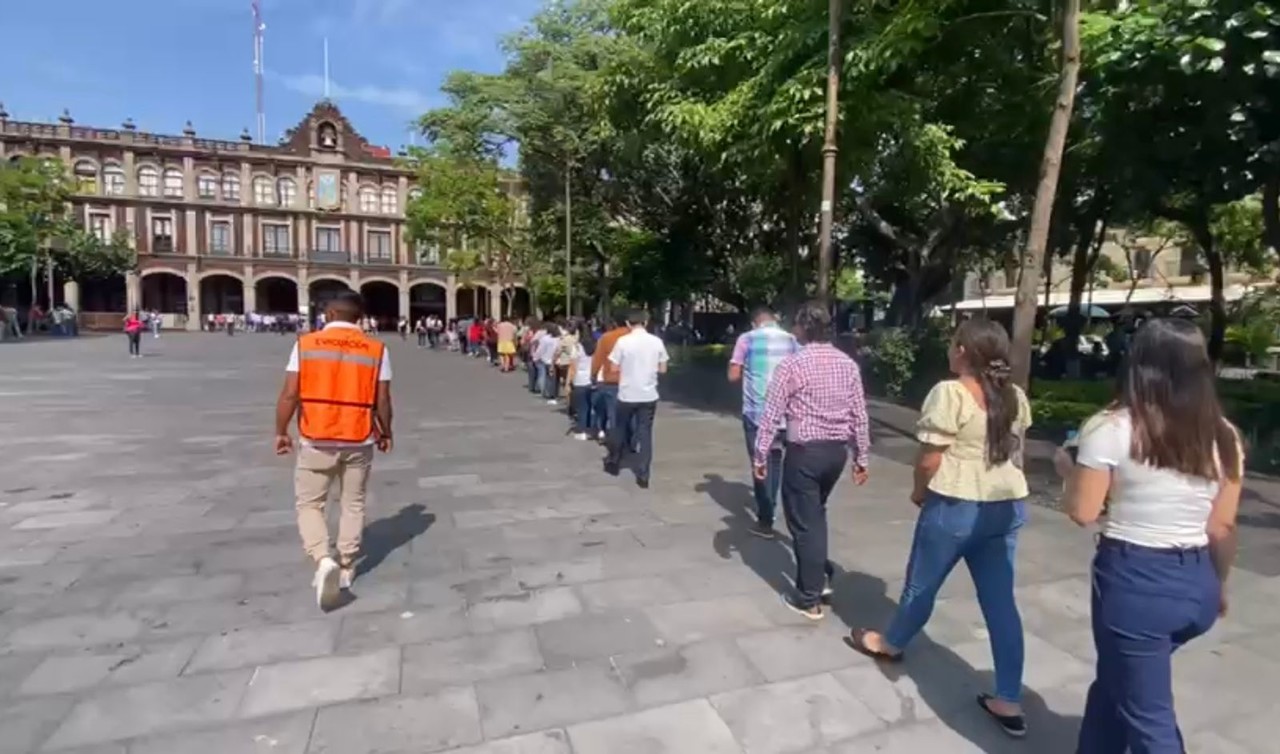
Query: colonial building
(235,227)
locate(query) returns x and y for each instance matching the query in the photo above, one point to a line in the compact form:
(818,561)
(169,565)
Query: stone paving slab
(154,598)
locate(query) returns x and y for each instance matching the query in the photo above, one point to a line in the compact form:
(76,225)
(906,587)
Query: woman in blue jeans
(1168,466)
(969,486)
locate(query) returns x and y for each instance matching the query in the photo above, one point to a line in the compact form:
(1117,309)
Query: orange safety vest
(338,372)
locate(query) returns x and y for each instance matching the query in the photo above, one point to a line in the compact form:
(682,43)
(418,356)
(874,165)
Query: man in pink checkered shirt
(816,394)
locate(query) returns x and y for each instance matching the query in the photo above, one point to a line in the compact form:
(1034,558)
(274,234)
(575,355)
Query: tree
(38,229)
(1024,315)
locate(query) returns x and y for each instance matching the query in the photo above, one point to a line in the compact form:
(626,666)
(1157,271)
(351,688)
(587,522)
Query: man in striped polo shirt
(755,355)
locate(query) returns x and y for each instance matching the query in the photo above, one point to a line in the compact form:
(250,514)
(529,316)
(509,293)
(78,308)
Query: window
(162,235)
(113,180)
(230,187)
(86,177)
(207,186)
(264,191)
(220,237)
(148,181)
(288,190)
(368,200)
(428,253)
(173,183)
(328,239)
(1141,264)
(379,245)
(100,225)
(390,200)
(275,240)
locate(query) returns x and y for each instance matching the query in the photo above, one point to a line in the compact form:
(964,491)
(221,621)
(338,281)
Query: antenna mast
(258,28)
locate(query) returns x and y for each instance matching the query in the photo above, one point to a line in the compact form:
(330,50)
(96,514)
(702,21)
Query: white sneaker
(600,436)
(326,583)
(551,402)
(580,436)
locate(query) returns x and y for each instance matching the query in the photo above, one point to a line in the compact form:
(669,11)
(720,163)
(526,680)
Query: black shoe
(813,612)
(763,530)
(1013,725)
(642,483)
(611,468)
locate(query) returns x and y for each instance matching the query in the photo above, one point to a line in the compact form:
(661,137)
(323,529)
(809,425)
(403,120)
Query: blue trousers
(1146,604)
(766,491)
(605,411)
(580,402)
(985,536)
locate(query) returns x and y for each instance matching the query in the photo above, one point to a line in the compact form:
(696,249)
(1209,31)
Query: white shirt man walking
(640,357)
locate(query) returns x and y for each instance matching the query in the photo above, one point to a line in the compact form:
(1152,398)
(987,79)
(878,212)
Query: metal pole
(568,239)
(835,14)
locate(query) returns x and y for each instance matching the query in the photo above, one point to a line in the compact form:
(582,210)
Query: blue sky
(163,62)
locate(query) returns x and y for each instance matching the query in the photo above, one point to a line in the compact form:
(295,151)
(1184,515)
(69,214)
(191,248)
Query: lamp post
(568,238)
(835,14)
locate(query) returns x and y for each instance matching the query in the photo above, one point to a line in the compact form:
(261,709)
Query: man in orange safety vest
(338,382)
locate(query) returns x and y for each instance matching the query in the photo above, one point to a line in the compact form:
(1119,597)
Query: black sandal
(1013,725)
(856,640)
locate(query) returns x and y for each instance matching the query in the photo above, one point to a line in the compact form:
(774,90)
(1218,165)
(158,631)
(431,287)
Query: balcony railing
(329,257)
(277,253)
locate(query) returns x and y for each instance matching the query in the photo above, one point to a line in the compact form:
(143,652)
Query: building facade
(236,227)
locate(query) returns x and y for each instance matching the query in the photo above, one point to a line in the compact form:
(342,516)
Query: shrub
(904,364)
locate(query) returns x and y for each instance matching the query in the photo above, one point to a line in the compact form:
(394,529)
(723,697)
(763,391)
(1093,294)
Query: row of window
(275,237)
(267,192)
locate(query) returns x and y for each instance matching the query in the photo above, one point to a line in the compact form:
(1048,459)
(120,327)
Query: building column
(495,301)
(194,315)
(451,298)
(250,290)
(304,294)
(189,225)
(71,295)
(132,291)
(404,293)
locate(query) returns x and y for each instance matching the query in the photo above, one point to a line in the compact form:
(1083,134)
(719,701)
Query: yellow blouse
(952,418)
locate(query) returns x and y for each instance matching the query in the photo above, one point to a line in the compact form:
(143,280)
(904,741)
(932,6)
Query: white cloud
(399,98)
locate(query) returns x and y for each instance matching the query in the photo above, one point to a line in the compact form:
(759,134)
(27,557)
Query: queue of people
(1161,460)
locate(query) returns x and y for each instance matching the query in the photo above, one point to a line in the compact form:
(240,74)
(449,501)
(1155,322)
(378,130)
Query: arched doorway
(515,303)
(103,294)
(165,292)
(221,294)
(426,299)
(275,295)
(320,291)
(382,300)
(472,301)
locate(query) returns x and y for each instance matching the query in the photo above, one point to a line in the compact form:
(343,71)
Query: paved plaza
(154,597)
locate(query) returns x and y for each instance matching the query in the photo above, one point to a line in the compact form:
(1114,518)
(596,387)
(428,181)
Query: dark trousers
(809,473)
(550,382)
(1146,604)
(422,339)
(580,408)
(605,410)
(634,429)
(464,347)
(531,368)
(766,490)
(135,343)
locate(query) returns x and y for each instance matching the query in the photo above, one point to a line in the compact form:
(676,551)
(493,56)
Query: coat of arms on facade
(328,190)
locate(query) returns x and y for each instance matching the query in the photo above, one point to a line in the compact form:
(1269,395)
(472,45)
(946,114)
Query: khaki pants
(316,471)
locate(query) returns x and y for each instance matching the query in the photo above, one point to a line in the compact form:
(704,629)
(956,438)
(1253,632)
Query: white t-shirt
(637,356)
(1147,506)
(582,366)
(384,375)
(544,350)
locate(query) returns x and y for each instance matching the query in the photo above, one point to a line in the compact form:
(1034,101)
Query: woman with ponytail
(970,488)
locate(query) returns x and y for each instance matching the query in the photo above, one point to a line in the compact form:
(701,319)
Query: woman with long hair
(970,489)
(1168,468)
(580,388)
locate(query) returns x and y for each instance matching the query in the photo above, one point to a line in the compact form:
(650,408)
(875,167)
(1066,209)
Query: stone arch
(321,288)
(165,291)
(472,301)
(276,293)
(517,303)
(381,300)
(221,293)
(426,297)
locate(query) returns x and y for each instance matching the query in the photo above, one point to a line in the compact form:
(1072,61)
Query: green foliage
(904,363)
(37,226)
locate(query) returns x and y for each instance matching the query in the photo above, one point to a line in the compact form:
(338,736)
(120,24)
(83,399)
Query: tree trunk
(1024,314)
(1217,272)
(35,291)
(1088,248)
(1271,211)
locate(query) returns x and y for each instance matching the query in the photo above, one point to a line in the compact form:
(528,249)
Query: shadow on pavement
(384,536)
(946,683)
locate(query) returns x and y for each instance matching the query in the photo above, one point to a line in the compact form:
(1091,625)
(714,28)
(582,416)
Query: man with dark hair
(817,395)
(756,355)
(639,357)
(338,382)
(605,375)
